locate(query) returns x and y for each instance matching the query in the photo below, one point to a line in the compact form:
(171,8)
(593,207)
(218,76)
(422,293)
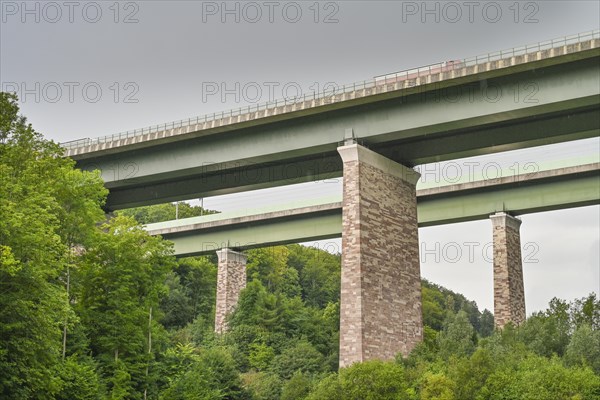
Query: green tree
(263,385)
(301,357)
(448,301)
(211,376)
(256,306)
(269,265)
(47,209)
(586,311)
(260,356)
(297,388)
(486,323)
(374,380)
(540,378)
(433,308)
(327,388)
(192,292)
(548,332)
(437,386)
(164,212)
(120,284)
(319,274)
(470,374)
(369,380)
(80,380)
(176,306)
(584,348)
(457,336)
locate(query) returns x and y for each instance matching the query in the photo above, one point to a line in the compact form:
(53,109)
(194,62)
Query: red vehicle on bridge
(418,72)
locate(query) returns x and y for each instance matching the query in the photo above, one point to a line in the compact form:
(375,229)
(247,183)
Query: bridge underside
(507,109)
(543,191)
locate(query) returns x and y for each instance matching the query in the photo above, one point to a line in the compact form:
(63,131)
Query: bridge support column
(380,306)
(231,279)
(509,294)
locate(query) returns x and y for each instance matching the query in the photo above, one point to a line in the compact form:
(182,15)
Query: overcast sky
(87,69)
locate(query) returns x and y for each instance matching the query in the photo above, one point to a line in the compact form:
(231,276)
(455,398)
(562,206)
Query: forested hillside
(93,308)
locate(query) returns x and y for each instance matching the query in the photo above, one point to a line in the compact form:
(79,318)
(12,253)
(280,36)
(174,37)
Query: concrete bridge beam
(380,305)
(509,294)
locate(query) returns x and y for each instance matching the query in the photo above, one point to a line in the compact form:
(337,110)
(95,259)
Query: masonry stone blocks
(509,294)
(231,279)
(380,307)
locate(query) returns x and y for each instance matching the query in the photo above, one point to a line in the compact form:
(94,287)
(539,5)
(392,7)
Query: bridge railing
(491,57)
(401,79)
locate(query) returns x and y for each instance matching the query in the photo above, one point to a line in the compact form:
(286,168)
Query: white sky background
(156,68)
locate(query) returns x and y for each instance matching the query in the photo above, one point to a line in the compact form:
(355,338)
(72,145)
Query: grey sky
(159,68)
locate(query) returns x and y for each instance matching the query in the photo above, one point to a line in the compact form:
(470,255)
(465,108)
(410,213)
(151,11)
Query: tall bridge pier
(231,279)
(509,294)
(380,303)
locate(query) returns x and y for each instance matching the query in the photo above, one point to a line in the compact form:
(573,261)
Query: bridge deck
(315,219)
(507,101)
(348,95)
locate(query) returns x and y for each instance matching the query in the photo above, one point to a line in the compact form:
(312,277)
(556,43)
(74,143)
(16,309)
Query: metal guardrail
(401,76)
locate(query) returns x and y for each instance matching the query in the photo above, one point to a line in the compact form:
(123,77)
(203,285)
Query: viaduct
(371,134)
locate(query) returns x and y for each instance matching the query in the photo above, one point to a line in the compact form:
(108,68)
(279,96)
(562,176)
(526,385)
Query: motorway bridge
(371,134)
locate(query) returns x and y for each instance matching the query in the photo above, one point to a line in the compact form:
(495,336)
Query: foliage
(302,357)
(540,378)
(46,206)
(437,301)
(457,336)
(93,308)
(118,286)
(370,380)
(318,274)
(213,375)
(437,386)
(80,380)
(584,348)
(191,292)
(297,387)
(548,332)
(263,385)
(164,212)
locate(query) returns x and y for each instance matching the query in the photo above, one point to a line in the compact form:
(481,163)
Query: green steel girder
(536,106)
(549,190)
